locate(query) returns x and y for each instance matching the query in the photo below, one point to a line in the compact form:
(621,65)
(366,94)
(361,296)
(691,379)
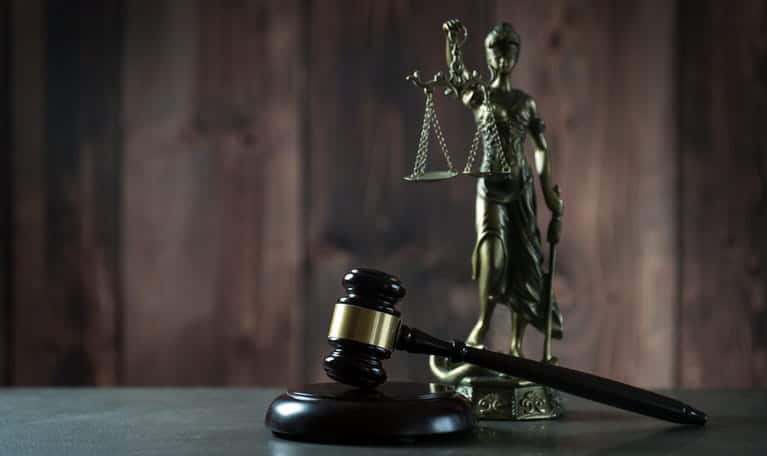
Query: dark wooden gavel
(366,328)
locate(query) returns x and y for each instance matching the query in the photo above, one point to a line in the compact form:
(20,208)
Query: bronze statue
(508,262)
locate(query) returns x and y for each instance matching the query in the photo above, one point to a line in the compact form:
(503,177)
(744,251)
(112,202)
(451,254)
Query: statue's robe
(506,210)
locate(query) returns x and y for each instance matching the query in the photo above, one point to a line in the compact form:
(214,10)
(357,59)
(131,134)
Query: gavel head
(363,330)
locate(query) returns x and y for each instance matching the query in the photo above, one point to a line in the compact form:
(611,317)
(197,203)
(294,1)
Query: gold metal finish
(499,398)
(508,261)
(364,325)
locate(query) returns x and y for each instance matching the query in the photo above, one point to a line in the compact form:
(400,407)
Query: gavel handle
(571,381)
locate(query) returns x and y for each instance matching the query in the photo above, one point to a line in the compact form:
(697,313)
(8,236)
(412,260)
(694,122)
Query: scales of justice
(508,260)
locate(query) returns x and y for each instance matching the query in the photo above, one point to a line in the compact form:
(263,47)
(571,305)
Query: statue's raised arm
(455,37)
(458,82)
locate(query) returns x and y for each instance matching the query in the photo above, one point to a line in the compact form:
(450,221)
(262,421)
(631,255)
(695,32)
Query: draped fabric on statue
(506,210)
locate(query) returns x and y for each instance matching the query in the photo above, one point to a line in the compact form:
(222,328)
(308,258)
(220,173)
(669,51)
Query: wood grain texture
(28,218)
(6,195)
(602,75)
(29,215)
(363,126)
(211,190)
(252,122)
(66,164)
(592,67)
(722,96)
(187,182)
(169,239)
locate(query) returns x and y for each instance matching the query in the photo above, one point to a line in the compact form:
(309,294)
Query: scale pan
(485,174)
(432,176)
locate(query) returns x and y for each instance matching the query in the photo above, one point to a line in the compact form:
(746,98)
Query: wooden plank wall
(190,180)
(211,192)
(602,75)
(364,121)
(66,170)
(6,193)
(722,96)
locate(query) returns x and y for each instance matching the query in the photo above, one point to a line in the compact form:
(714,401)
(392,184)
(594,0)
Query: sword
(552,236)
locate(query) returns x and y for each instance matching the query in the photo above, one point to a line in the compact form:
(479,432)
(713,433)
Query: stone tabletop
(116,422)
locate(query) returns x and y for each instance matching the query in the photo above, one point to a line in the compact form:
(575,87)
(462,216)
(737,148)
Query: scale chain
(423,146)
(419,167)
(487,133)
(438,131)
(472,151)
(496,139)
(492,139)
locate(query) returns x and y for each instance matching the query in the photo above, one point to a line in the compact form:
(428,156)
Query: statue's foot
(472,340)
(475,345)
(551,360)
(476,335)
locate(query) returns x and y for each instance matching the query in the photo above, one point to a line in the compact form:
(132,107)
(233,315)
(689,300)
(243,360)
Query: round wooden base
(395,412)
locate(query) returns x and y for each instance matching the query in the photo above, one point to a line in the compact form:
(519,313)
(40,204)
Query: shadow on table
(579,433)
(596,442)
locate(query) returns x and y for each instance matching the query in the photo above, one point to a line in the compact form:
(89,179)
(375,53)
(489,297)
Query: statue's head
(502,48)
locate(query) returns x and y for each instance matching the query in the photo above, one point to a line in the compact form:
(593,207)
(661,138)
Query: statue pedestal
(508,398)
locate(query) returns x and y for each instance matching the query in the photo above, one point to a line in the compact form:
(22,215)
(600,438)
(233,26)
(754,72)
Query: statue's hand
(554,201)
(455,31)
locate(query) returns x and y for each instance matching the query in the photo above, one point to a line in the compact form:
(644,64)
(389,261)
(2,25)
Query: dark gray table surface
(118,422)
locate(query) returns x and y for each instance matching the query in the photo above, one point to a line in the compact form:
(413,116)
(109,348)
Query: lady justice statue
(508,260)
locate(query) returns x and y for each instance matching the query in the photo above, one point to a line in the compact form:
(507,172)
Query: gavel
(366,328)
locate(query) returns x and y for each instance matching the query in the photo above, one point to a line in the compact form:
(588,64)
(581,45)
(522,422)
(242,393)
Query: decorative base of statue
(495,396)
(507,398)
